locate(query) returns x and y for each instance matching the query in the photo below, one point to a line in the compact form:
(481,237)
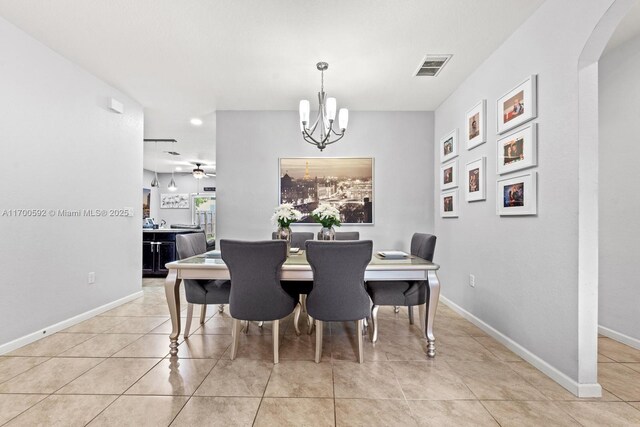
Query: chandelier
(326,117)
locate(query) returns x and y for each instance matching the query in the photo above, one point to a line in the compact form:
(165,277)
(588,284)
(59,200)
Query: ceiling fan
(199,173)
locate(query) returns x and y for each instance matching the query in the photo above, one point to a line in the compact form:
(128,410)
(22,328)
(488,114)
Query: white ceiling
(628,29)
(189,59)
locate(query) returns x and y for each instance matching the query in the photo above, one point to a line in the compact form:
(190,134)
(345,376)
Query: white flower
(285,214)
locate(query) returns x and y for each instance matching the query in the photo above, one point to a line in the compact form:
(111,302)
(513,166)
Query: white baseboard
(615,335)
(580,390)
(45,332)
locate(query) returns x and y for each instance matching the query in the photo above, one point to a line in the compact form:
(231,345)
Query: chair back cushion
(255,267)
(191,244)
(338,292)
(423,245)
(347,235)
(297,238)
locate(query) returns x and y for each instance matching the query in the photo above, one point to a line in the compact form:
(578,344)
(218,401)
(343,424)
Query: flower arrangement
(284,215)
(326,215)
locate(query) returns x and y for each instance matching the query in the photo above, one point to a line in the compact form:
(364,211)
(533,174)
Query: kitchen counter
(171,230)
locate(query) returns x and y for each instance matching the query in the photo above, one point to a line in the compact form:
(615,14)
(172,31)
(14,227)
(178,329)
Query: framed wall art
(518,150)
(518,106)
(449,175)
(449,204)
(475,125)
(174,201)
(476,181)
(449,146)
(345,183)
(517,195)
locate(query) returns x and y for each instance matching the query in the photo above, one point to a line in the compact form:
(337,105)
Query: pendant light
(172,184)
(156,182)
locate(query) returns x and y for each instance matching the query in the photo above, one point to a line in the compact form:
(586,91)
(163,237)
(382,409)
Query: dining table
(210,266)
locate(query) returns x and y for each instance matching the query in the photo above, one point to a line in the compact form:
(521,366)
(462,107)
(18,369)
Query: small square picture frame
(518,150)
(449,146)
(517,195)
(449,175)
(475,188)
(449,204)
(475,125)
(518,106)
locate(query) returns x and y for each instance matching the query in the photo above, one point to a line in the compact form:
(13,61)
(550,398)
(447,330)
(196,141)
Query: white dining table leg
(434,296)
(172,291)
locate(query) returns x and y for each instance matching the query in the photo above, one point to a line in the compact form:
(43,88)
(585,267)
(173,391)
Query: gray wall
(250,143)
(186,183)
(63,149)
(619,204)
(526,268)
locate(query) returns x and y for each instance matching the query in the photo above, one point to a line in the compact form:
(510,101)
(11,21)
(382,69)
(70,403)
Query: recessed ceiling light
(196,121)
(178,168)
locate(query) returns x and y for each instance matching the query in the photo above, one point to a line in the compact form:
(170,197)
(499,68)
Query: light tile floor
(114,370)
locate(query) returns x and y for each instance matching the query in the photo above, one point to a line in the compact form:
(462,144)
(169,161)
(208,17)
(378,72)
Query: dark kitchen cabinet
(158,248)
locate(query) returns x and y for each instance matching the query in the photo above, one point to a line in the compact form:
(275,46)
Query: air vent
(173,153)
(431,65)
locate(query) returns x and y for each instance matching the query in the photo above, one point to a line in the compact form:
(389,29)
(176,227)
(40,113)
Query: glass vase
(284,233)
(327,233)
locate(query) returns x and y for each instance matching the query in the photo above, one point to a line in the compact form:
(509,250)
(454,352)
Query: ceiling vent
(431,65)
(173,153)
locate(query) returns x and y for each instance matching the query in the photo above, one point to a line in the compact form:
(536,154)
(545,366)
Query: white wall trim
(580,390)
(45,332)
(620,337)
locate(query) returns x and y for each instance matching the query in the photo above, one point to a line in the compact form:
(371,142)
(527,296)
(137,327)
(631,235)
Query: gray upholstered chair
(256,293)
(338,293)
(200,291)
(404,293)
(301,288)
(297,238)
(345,235)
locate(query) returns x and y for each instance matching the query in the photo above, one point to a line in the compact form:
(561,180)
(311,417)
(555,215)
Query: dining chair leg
(396,309)
(235,337)
(422,310)
(410,310)
(187,325)
(276,341)
(360,324)
(374,321)
(296,318)
(319,330)
(220,308)
(303,302)
(365,326)
(260,324)
(310,324)
(203,313)
(246,326)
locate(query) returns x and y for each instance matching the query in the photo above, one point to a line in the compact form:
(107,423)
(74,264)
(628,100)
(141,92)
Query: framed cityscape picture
(475,125)
(449,146)
(449,175)
(345,183)
(475,173)
(518,106)
(449,204)
(517,195)
(518,150)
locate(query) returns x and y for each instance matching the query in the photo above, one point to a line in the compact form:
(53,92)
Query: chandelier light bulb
(331,108)
(304,111)
(343,117)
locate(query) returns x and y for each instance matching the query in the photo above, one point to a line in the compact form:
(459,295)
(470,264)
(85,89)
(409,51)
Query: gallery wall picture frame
(449,146)
(346,183)
(449,204)
(449,175)
(518,106)
(174,201)
(476,180)
(517,195)
(476,125)
(517,150)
